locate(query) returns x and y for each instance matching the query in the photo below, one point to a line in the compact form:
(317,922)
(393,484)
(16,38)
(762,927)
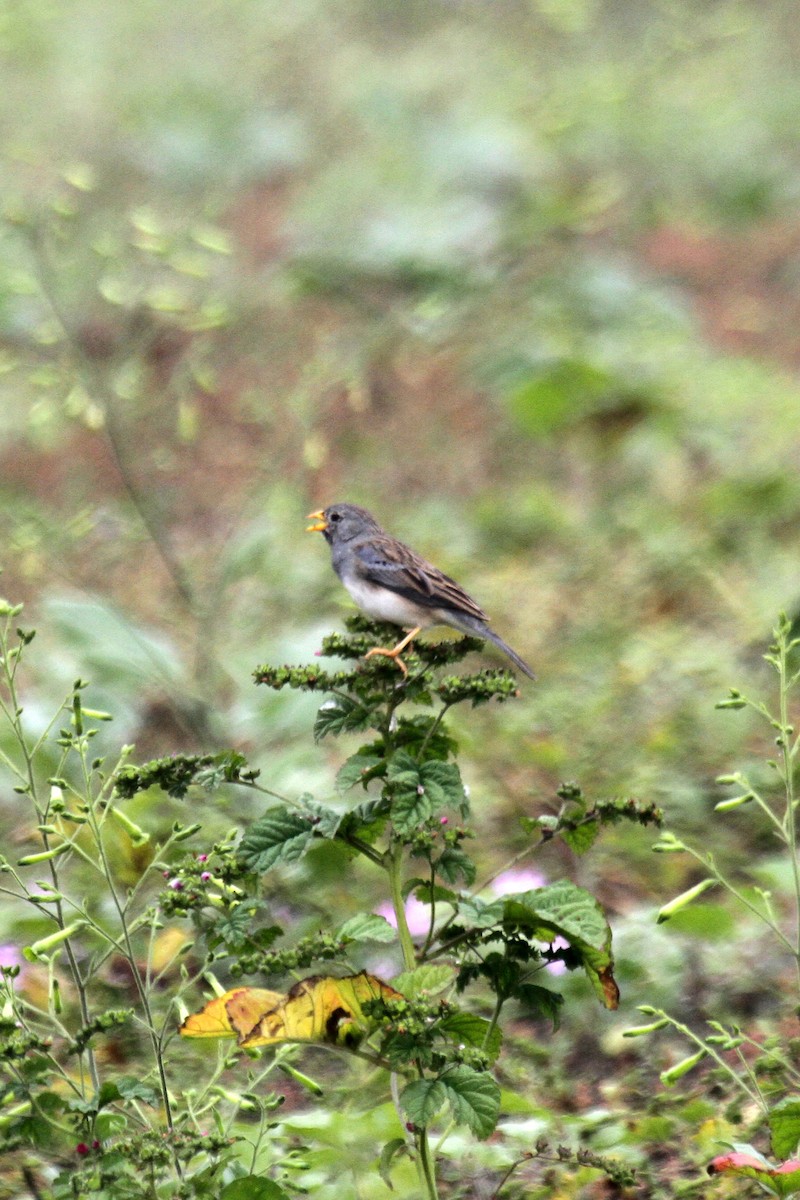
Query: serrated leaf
(133,1089)
(454,865)
(366,821)
(565,910)
(325,821)
(474,1098)
(582,838)
(280,836)
(784,1123)
(424,981)
(475,913)
(367,927)
(422,1100)
(541,1002)
(234,925)
(340,715)
(421,789)
(472,1030)
(442,782)
(409,809)
(353,770)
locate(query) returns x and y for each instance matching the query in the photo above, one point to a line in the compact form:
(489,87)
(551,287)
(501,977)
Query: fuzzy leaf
(367,927)
(472,1030)
(424,981)
(422,1099)
(280,836)
(474,1098)
(455,865)
(442,782)
(582,838)
(565,910)
(340,715)
(353,770)
(325,821)
(541,1002)
(409,809)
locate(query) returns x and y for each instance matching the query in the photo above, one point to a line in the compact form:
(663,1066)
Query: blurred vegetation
(523,277)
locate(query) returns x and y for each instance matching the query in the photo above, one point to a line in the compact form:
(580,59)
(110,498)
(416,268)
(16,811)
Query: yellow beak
(321,525)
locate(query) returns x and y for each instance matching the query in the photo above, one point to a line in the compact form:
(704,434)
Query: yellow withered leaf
(317,1009)
(226,1015)
(321,1009)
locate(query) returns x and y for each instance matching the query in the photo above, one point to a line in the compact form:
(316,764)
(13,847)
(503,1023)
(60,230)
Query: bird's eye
(336,516)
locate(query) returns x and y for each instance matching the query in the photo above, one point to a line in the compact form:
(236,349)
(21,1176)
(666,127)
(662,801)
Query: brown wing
(391,564)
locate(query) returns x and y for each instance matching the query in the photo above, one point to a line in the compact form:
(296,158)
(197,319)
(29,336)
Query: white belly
(383,605)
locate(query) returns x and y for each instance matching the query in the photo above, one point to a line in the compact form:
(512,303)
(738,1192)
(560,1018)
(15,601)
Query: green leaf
(410,809)
(472,1030)
(442,782)
(366,821)
(133,1089)
(454,865)
(234,925)
(340,715)
(422,1100)
(388,1153)
(280,836)
(366,927)
(582,838)
(253,1187)
(784,1123)
(541,1002)
(404,770)
(474,1098)
(355,769)
(475,913)
(326,821)
(424,981)
(429,893)
(421,789)
(565,910)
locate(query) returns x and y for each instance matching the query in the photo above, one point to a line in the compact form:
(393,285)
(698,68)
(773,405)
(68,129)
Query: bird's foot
(394,654)
(395,651)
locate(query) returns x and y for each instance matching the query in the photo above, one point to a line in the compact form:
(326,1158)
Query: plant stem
(394,865)
(425,1160)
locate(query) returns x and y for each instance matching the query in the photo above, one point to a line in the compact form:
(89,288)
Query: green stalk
(394,865)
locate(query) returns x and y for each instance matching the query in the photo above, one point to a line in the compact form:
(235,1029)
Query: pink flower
(10,955)
(509,882)
(558,967)
(418,915)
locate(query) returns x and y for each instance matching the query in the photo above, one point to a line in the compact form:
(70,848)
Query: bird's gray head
(342,522)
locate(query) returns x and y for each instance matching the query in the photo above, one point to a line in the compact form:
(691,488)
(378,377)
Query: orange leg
(395,651)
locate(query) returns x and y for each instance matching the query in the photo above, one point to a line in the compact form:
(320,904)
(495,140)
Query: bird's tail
(512,654)
(466,623)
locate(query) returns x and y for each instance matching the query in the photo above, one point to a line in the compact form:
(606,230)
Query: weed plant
(101,1099)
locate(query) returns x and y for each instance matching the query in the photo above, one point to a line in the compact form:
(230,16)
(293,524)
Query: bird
(390,582)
